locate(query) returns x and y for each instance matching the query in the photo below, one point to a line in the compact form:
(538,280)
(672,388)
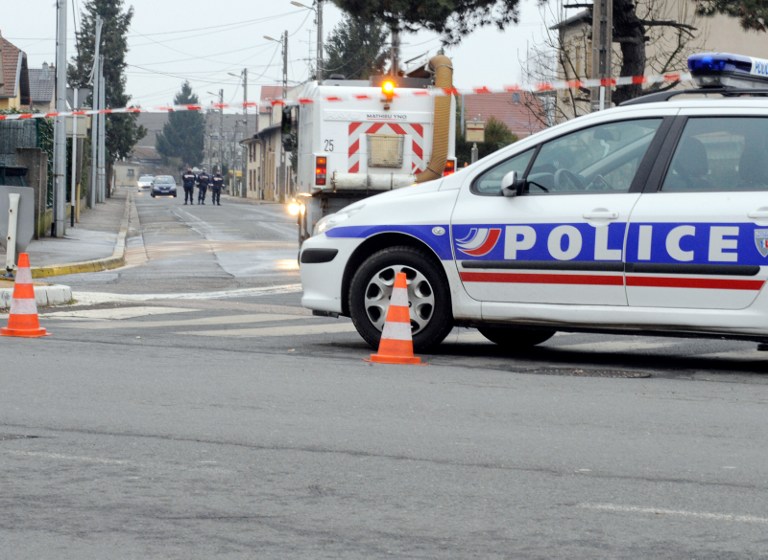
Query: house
(719,33)
(522,112)
(42,88)
(14,80)
(264,174)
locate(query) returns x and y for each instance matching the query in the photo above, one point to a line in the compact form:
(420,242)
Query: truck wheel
(517,338)
(428,296)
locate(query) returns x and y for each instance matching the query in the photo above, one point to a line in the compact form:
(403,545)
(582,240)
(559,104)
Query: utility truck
(356,138)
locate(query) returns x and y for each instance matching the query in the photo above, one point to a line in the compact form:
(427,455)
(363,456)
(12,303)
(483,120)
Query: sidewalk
(96,242)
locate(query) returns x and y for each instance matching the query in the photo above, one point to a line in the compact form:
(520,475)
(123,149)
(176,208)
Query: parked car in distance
(164,185)
(145,182)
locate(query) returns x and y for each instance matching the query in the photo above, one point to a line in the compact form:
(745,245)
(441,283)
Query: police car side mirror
(510,186)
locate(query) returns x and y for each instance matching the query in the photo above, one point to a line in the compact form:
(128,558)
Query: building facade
(667,47)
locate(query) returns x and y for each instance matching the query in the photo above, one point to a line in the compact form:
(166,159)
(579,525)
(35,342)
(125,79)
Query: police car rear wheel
(516,338)
(428,296)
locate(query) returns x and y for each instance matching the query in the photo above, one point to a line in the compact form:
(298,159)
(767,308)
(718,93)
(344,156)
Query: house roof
(267,94)
(521,112)
(584,16)
(42,84)
(15,75)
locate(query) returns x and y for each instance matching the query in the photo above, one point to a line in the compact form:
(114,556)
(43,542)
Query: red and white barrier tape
(404,92)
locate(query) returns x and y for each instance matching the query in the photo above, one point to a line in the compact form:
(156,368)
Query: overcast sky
(174,40)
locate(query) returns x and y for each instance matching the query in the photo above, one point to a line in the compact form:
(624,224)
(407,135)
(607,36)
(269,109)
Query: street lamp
(319,21)
(284,43)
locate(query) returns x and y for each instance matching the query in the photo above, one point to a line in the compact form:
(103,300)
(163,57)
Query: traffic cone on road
(396,344)
(22,320)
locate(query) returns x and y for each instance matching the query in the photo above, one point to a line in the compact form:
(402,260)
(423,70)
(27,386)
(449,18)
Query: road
(190,408)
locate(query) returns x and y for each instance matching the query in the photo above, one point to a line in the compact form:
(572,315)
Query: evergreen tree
(752,14)
(183,136)
(356,48)
(453,19)
(122,130)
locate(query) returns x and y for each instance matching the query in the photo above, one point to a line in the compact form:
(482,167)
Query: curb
(47,295)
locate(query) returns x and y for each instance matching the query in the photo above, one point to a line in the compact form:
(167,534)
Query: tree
(183,136)
(356,48)
(452,19)
(752,14)
(122,130)
(633,21)
(566,54)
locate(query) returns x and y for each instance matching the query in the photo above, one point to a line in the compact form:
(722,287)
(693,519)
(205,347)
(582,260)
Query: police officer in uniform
(217,183)
(202,184)
(188,179)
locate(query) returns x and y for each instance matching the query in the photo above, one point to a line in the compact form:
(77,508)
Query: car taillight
(450,167)
(321,170)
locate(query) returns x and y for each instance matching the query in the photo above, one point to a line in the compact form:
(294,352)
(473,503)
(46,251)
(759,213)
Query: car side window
(489,183)
(720,154)
(602,158)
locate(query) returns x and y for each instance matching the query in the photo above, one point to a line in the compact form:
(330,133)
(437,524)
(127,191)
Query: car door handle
(600,214)
(759,214)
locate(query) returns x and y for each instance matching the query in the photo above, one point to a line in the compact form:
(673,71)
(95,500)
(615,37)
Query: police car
(647,218)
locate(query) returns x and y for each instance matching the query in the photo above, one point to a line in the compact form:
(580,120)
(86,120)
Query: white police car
(647,218)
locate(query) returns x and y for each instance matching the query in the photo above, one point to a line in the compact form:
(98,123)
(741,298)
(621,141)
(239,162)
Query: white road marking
(729,517)
(93,298)
(202,321)
(294,330)
(119,313)
(59,456)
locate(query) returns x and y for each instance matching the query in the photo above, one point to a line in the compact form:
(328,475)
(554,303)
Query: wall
(36,162)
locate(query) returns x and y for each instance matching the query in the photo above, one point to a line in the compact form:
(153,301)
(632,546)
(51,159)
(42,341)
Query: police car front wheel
(428,296)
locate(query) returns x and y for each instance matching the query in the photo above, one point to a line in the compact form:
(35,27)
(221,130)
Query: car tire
(517,338)
(428,296)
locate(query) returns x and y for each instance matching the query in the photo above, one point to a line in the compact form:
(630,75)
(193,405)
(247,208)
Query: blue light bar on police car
(728,70)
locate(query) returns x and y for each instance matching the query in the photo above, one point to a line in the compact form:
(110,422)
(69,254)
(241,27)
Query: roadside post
(17,222)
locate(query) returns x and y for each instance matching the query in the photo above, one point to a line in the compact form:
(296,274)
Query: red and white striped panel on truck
(415,131)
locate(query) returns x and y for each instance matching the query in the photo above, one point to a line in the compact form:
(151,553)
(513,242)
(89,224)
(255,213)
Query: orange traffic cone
(22,320)
(396,344)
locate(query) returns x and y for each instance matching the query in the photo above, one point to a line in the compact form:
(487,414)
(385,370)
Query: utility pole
(285,64)
(60,130)
(102,133)
(221,131)
(245,99)
(319,21)
(244,163)
(319,5)
(73,174)
(283,167)
(95,96)
(602,37)
(394,52)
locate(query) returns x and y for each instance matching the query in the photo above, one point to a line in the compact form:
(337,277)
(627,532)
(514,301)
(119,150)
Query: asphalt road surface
(188,407)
